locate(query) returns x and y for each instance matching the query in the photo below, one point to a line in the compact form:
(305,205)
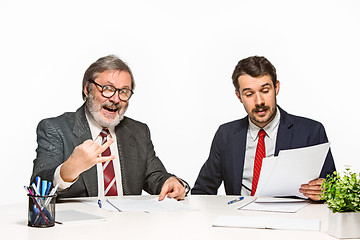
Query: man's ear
(277,87)
(86,89)
(238,95)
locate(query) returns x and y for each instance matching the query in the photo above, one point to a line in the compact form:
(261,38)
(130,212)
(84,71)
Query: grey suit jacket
(140,168)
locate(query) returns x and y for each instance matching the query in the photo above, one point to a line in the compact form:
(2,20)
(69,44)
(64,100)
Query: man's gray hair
(110,62)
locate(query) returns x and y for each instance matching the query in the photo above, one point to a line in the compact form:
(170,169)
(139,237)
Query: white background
(182,54)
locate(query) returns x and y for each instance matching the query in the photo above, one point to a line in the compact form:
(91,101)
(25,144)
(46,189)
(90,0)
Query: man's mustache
(111,105)
(262,107)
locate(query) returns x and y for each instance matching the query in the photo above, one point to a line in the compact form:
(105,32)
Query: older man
(96,151)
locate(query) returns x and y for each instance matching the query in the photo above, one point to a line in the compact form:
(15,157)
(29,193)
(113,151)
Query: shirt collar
(270,129)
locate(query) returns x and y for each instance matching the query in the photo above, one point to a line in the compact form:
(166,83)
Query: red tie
(260,154)
(108,168)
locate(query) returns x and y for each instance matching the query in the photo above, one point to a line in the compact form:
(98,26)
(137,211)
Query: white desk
(159,225)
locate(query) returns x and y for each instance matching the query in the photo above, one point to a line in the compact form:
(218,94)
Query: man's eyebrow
(246,89)
(249,89)
(266,84)
(111,84)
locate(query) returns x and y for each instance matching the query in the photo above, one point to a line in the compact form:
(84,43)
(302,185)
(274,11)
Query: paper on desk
(141,205)
(279,200)
(74,216)
(284,174)
(287,205)
(267,223)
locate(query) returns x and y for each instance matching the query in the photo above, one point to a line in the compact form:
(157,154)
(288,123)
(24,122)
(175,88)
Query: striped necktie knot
(261,133)
(104,134)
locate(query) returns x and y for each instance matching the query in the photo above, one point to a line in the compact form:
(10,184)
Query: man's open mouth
(111,109)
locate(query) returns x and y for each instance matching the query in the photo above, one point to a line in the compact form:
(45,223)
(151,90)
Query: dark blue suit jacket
(227,154)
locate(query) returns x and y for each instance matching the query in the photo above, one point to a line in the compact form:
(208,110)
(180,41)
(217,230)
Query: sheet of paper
(267,222)
(142,205)
(276,205)
(284,174)
(279,200)
(74,216)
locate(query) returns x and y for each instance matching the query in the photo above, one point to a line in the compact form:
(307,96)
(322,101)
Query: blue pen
(37,184)
(236,200)
(48,188)
(35,214)
(44,187)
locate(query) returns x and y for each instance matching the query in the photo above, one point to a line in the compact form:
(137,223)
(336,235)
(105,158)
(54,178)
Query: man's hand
(313,189)
(83,158)
(172,188)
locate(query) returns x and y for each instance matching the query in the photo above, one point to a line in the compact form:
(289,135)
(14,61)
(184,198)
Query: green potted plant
(341,193)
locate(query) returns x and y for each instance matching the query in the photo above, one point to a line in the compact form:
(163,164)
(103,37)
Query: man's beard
(94,107)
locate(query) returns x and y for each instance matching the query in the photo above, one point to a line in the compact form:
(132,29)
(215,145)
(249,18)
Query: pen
(28,190)
(35,189)
(43,187)
(38,182)
(113,205)
(236,200)
(52,192)
(48,188)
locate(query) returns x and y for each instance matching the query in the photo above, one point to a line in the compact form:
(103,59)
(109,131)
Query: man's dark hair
(255,66)
(110,62)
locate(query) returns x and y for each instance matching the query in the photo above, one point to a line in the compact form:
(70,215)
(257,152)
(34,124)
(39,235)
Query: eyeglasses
(108,91)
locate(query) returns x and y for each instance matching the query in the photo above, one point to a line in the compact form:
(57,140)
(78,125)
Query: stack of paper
(276,205)
(74,216)
(284,174)
(141,205)
(267,223)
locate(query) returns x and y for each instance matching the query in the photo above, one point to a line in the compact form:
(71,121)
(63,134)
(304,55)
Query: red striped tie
(260,154)
(108,168)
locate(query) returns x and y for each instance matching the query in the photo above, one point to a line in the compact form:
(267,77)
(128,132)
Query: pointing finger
(163,192)
(105,159)
(103,147)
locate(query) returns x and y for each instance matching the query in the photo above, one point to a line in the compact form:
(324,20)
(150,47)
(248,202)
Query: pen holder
(41,212)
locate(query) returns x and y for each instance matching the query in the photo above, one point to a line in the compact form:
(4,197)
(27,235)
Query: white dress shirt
(95,129)
(251,143)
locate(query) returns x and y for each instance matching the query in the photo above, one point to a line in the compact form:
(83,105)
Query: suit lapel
(238,154)
(126,147)
(285,132)
(82,132)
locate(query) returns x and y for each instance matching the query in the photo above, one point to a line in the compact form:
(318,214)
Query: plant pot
(344,224)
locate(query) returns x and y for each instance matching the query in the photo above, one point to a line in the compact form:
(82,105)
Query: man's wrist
(184,184)
(58,179)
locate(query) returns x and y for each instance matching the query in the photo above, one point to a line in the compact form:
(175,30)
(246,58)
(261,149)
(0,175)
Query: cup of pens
(41,211)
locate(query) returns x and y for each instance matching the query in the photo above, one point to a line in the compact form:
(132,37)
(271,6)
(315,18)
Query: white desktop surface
(159,225)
